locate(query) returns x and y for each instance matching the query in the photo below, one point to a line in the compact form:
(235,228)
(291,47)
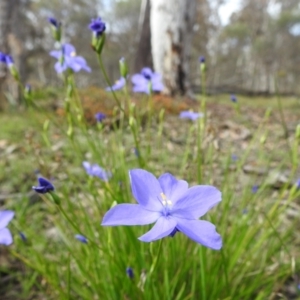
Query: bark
(12,32)
(4,29)
(143,55)
(171,25)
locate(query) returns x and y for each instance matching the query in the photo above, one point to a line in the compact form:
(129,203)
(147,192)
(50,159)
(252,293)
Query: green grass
(260,246)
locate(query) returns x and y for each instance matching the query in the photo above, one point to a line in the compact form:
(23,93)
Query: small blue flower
(100,116)
(5,235)
(119,84)
(234,157)
(172,205)
(233,98)
(190,115)
(44,186)
(254,189)
(81,238)
(54,22)
(297,183)
(96,170)
(67,59)
(97,26)
(6,59)
(129,272)
(143,81)
(202,59)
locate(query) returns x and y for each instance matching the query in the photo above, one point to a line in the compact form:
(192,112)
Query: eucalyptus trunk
(171,23)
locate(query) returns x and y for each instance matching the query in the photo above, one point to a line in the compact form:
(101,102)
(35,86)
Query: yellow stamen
(73,54)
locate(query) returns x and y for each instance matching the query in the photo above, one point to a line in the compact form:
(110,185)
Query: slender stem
(108,81)
(155,261)
(202,273)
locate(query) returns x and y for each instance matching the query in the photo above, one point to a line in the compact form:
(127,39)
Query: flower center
(165,201)
(73,54)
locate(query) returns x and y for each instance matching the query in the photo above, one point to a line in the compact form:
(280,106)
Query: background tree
(171,25)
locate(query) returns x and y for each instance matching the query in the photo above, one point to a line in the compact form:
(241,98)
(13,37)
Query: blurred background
(249,45)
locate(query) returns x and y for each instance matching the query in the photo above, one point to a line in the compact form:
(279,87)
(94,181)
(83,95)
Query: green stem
(155,261)
(108,81)
(202,273)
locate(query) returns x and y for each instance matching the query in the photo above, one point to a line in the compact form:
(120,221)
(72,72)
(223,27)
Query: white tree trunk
(171,23)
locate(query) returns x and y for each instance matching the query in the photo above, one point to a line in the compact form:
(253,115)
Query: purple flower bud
(234,157)
(100,116)
(81,238)
(44,186)
(97,26)
(2,57)
(54,22)
(130,273)
(202,59)
(233,98)
(23,236)
(96,170)
(255,189)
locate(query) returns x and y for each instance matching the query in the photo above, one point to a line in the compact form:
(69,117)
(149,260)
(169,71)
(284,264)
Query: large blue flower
(172,205)
(147,81)
(5,235)
(67,59)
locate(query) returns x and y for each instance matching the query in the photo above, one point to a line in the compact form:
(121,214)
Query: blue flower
(100,116)
(190,115)
(119,84)
(172,205)
(146,79)
(234,157)
(67,59)
(97,26)
(96,170)
(6,59)
(81,238)
(233,98)
(5,235)
(254,189)
(44,186)
(129,272)
(202,59)
(54,22)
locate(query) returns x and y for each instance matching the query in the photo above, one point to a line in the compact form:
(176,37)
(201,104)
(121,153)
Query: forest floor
(237,131)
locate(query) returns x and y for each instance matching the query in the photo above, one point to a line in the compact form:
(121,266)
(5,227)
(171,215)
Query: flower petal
(55,53)
(146,189)
(198,200)
(5,217)
(139,79)
(129,214)
(173,189)
(163,227)
(5,237)
(202,232)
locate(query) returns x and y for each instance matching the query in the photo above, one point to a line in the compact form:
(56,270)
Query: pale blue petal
(173,189)
(138,79)
(202,232)
(55,53)
(163,227)
(129,214)
(198,200)
(68,49)
(146,189)
(5,217)
(59,68)
(5,237)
